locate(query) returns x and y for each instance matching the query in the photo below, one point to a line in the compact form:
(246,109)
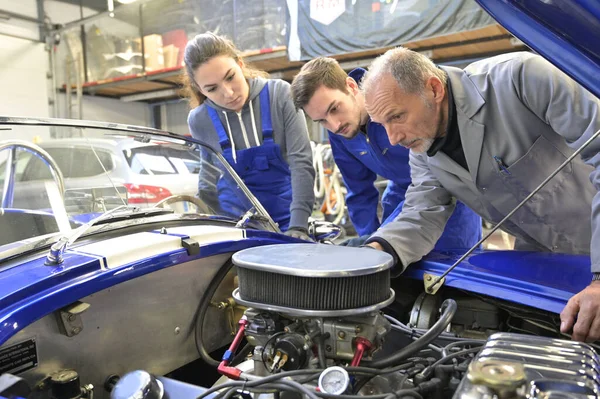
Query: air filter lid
(313,260)
(313,279)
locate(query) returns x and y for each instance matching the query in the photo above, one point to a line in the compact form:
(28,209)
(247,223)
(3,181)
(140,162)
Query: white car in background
(146,172)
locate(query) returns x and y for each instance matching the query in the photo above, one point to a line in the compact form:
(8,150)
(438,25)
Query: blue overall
(362,158)
(262,168)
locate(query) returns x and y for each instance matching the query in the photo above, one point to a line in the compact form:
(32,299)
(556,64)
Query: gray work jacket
(519,118)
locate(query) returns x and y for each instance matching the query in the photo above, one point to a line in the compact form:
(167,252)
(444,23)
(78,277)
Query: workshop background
(121,60)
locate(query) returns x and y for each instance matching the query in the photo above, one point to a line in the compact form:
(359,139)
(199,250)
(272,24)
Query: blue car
(191,297)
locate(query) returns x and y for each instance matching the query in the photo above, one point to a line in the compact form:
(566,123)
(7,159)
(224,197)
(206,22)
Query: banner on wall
(326,11)
(328,27)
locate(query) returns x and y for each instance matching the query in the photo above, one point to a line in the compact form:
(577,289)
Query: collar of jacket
(467,97)
(468,101)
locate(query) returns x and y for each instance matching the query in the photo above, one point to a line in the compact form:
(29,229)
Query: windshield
(55,178)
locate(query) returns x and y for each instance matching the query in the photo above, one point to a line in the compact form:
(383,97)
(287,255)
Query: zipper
(375,146)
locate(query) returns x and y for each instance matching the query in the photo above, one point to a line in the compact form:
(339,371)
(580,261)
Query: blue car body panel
(31,290)
(566,33)
(538,279)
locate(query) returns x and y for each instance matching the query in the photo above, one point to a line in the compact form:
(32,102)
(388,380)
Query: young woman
(253,121)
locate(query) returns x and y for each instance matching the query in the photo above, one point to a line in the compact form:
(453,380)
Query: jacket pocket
(551,214)
(529,171)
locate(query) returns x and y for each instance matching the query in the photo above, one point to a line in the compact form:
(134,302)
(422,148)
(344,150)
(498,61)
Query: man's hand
(585,306)
(298,232)
(355,242)
(375,245)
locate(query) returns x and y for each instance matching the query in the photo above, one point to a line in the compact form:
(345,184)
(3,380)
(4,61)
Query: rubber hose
(446,350)
(242,355)
(448,310)
(321,351)
(204,303)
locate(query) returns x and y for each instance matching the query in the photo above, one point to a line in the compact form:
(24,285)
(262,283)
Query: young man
(489,135)
(362,151)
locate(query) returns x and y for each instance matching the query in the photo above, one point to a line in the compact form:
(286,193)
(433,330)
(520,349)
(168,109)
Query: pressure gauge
(334,380)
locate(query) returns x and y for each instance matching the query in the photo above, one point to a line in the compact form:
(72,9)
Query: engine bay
(324,321)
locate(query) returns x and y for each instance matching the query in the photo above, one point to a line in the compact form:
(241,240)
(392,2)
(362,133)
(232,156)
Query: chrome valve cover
(518,366)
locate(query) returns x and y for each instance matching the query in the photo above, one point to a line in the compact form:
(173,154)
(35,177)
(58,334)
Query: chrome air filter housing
(313,279)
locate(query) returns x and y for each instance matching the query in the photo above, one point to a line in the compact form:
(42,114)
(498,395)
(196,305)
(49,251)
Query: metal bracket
(228,305)
(70,322)
(191,246)
(432,283)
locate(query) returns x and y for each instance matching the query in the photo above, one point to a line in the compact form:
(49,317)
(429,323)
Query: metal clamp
(70,322)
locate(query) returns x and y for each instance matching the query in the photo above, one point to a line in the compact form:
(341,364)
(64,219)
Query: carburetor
(288,343)
(310,304)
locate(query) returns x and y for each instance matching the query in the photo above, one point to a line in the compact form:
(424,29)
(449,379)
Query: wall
(17,27)
(111,110)
(23,64)
(93,108)
(176,120)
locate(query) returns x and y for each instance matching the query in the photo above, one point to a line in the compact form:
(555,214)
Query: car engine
(314,321)
(313,300)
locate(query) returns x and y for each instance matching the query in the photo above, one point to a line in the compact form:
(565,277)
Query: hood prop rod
(431,283)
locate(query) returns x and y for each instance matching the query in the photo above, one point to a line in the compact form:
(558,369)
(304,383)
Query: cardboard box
(177,38)
(153,53)
(171,53)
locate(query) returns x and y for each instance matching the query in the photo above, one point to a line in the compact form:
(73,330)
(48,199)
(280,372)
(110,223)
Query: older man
(488,135)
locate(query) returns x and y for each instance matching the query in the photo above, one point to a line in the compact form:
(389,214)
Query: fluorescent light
(126,1)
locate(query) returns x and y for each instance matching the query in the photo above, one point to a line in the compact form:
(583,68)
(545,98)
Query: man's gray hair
(409,68)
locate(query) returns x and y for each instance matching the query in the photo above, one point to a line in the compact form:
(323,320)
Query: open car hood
(540,279)
(565,32)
